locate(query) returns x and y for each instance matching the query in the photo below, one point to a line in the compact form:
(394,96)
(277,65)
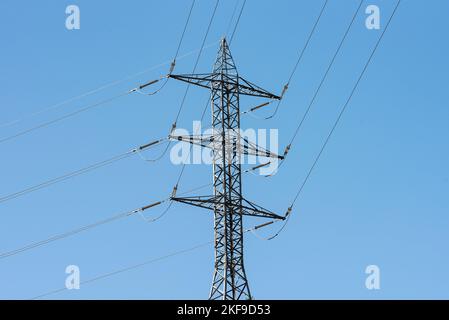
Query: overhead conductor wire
(138,265)
(315,95)
(300,56)
(301,186)
(174,124)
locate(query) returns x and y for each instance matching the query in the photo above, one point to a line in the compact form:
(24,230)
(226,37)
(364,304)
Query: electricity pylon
(227,147)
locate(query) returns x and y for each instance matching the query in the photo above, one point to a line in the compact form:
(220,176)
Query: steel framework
(227,147)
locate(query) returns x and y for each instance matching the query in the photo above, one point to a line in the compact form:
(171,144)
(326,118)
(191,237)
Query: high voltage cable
(65,234)
(174,124)
(208,99)
(237,23)
(78,172)
(100,88)
(135,266)
(323,79)
(173,63)
(138,265)
(184,30)
(301,186)
(326,73)
(197,59)
(301,54)
(181,173)
(66,116)
(77,230)
(232,16)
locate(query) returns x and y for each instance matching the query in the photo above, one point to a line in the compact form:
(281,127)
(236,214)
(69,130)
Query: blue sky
(378,194)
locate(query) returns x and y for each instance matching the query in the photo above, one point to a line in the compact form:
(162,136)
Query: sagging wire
(75,231)
(105,86)
(185,95)
(285,221)
(173,63)
(74,113)
(301,186)
(323,79)
(81,171)
(237,22)
(138,90)
(135,266)
(284,157)
(173,127)
(232,17)
(301,54)
(170,201)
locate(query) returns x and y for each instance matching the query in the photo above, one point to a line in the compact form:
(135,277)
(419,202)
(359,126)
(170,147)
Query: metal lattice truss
(242,86)
(229,279)
(233,141)
(247,208)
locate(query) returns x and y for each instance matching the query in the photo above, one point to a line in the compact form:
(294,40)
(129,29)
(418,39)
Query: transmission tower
(227,148)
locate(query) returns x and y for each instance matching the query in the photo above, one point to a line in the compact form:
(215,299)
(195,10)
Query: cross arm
(248,208)
(207,80)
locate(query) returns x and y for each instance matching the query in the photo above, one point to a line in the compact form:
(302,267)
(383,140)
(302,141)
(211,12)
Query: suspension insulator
(260,165)
(175,189)
(148,84)
(173,127)
(287,149)
(263,225)
(150,206)
(289,210)
(260,106)
(172,66)
(284,90)
(149,144)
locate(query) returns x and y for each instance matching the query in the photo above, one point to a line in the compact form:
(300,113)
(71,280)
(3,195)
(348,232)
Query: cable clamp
(287,149)
(173,127)
(284,90)
(172,66)
(175,189)
(289,211)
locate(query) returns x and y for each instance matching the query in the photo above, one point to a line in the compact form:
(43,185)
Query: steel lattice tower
(227,202)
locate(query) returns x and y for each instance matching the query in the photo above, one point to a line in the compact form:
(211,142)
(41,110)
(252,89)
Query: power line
(237,23)
(66,234)
(132,267)
(100,88)
(173,64)
(323,79)
(101,222)
(78,172)
(232,16)
(64,117)
(181,106)
(209,97)
(184,30)
(197,59)
(301,187)
(141,264)
(301,54)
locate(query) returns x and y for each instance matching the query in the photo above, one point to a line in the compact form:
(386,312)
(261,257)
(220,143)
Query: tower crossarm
(211,202)
(239,84)
(214,142)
